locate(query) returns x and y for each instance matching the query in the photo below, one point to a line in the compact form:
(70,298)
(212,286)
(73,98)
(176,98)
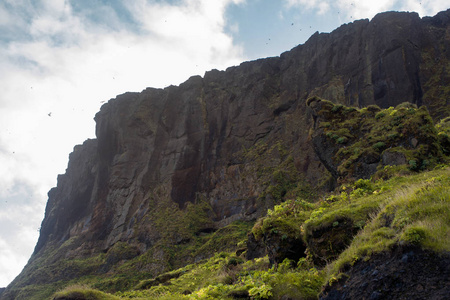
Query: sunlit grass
(409,210)
(414,214)
(83,292)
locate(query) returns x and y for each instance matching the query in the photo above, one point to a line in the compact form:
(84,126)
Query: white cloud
(5,17)
(424,7)
(10,263)
(359,9)
(19,232)
(321,6)
(362,9)
(59,68)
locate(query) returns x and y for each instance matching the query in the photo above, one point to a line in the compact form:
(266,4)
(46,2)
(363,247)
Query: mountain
(178,174)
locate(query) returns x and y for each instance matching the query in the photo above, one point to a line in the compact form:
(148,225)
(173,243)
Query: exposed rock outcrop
(325,244)
(161,152)
(354,143)
(405,273)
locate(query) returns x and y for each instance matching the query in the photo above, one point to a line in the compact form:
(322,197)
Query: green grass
(217,278)
(284,219)
(411,210)
(83,292)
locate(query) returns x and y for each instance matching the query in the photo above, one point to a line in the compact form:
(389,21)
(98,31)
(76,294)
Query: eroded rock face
(71,205)
(404,273)
(325,244)
(185,144)
(279,248)
(255,248)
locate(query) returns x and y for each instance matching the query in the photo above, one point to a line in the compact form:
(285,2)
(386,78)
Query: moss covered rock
(354,143)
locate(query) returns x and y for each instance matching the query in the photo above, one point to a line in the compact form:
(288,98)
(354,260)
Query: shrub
(342,140)
(414,235)
(364,184)
(380,115)
(82,292)
(413,165)
(337,108)
(379,146)
(234,261)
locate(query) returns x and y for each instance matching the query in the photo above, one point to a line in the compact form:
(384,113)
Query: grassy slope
(398,206)
(413,209)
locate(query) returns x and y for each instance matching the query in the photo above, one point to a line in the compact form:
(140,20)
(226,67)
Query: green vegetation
(82,292)
(371,135)
(274,166)
(402,210)
(284,219)
(437,88)
(412,210)
(226,276)
(123,267)
(400,205)
(443,128)
(129,273)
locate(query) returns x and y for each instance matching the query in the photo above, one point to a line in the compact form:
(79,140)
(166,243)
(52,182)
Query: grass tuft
(78,292)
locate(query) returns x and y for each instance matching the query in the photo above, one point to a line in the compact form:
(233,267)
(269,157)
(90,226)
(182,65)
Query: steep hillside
(179,174)
(381,238)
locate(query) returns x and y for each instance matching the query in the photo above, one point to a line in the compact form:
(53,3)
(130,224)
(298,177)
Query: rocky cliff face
(234,140)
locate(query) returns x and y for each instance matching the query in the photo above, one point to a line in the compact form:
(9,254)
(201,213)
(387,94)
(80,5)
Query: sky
(60,60)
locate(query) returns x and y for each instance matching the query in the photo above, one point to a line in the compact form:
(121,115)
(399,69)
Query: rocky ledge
(403,273)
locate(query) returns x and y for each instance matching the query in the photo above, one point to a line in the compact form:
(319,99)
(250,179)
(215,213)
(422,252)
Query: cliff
(177,166)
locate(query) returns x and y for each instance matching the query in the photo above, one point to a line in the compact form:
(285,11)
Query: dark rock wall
(404,273)
(73,198)
(185,142)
